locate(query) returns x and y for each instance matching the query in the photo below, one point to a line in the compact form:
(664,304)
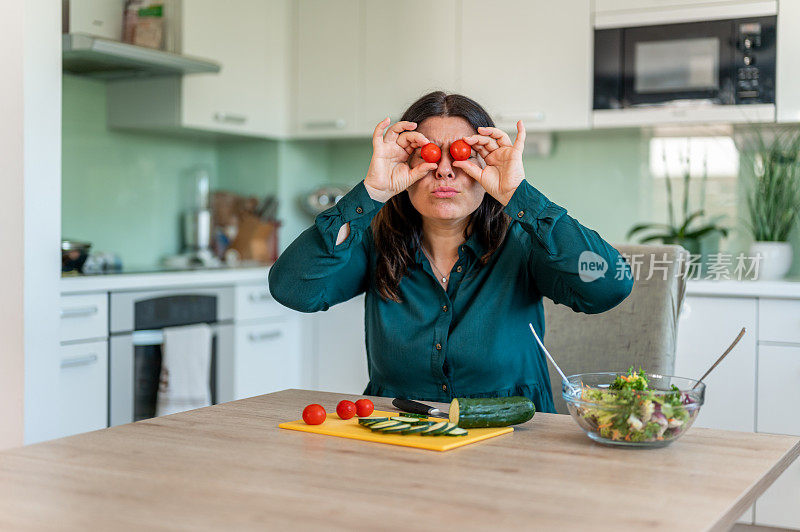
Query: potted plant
(692,230)
(773,202)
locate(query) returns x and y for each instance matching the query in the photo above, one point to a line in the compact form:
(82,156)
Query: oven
(717,62)
(137,320)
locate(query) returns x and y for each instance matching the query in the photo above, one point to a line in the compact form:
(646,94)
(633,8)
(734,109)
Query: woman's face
(447,193)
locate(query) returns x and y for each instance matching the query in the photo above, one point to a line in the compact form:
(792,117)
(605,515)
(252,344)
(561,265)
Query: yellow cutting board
(349,428)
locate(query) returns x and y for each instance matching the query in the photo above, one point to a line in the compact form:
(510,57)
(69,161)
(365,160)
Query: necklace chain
(437,270)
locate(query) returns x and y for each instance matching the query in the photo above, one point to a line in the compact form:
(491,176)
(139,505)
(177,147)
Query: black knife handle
(412,407)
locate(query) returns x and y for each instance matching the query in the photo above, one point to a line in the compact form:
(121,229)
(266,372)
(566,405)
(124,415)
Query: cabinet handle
(79,312)
(260,337)
(230,118)
(85,360)
(257,297)
(339,123)
(534,116)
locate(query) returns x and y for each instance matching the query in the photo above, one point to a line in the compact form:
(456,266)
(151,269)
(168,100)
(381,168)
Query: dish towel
(185,369)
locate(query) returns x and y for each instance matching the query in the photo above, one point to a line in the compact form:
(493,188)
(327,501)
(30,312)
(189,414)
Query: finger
(398,128)
(519,143)
(471,168)
(420,171)
(482,144)
(377,135)
(411,140)
(499,135)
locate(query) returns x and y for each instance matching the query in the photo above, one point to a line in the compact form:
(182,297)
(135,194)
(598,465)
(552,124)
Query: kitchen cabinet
(83,387)
(267,357)
(341,349)
(247,97)
(327,58)
(706,326)
(529,60)
(787,97)
(397,72)
(83,317)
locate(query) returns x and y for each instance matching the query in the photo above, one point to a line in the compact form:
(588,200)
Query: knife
(414,407)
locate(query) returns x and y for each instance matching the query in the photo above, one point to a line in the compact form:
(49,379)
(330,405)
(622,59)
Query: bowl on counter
(74,254)
(653,417)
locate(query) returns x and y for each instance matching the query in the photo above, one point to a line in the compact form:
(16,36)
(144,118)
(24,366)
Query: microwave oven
(718,62)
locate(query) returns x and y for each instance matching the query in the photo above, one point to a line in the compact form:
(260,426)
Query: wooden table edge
(728,519)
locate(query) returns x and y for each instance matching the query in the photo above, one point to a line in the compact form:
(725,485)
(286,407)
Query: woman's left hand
(503,171)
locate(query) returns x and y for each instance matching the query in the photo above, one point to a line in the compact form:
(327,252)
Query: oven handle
(150,337)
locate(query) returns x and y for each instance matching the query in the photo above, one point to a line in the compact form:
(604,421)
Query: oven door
(135,368)
(691,61)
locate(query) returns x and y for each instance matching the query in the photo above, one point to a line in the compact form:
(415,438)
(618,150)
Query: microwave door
(673,62)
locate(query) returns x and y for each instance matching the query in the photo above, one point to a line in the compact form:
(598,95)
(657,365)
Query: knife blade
(413,407)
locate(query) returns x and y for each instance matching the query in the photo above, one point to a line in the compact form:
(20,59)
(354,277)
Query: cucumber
(408,414)
(404,419)
(491,412)
(457,432)
(385,425)
(395,428)
(367,421)
(434,429)
(415,429)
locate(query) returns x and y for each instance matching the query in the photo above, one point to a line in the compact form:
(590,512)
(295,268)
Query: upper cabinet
(410,50)
(529,60)
(326,67)
(248,96)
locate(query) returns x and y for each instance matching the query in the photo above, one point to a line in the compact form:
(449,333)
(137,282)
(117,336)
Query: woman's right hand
(389,173)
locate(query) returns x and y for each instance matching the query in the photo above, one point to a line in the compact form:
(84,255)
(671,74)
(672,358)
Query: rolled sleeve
(356,208)
(535,213)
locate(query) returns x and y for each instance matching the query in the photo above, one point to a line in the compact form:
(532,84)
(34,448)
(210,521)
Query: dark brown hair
(397,228)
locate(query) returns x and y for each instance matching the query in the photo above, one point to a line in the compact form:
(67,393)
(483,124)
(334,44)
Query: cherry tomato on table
(314,414)
(346,409)
(431,153)
(460,150)
(364,407)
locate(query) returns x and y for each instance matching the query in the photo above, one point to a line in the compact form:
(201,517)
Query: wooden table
(229,467)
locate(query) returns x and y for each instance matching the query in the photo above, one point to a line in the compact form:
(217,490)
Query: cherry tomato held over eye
(346,409)
(460,150)
(314,414)
(364,407)
(431,153)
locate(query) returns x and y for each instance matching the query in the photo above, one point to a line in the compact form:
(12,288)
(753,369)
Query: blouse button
(444,308)
(438,347)
(444,387)
(520,214)
(458,269)
(359,210)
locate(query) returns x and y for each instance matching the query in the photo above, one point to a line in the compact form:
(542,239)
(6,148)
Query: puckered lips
(444,192)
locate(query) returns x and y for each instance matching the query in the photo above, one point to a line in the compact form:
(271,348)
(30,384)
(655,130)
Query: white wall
(30,219)
(11,224)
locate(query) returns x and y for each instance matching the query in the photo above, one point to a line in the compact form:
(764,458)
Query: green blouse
(471,340)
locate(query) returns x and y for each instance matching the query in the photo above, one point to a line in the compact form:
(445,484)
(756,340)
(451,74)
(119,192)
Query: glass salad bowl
(633,409)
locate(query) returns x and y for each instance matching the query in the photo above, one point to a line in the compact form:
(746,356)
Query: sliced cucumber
(366,421)
(409,414)
(448,428)
(404,419)
(396,428)
(458,431)
(415,429)
(384,425)
(436,428)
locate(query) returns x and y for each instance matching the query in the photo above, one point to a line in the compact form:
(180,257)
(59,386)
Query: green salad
(629,410)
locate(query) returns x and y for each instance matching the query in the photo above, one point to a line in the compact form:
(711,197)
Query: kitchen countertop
(163,279)
(230,467)
(785,289)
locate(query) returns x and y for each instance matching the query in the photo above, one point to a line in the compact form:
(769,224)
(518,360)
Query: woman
(454,258)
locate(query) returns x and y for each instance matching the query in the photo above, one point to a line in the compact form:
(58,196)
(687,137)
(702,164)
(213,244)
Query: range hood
(106,59)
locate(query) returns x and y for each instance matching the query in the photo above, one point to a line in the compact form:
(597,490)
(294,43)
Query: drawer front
(778,389)
(267,358)
(779,320)
(778,506)
(255,302)
(83,317)
(83,387)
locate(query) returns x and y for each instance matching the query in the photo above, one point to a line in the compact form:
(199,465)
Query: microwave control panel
(748,58)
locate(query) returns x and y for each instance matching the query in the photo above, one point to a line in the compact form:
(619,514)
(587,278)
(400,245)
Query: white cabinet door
(399,68)
(341,350)
(529,60)
(268,357)
(778,397)
(707,326)
(83,388)
(83,317)
(327,65)
(787,97)
(248,38)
